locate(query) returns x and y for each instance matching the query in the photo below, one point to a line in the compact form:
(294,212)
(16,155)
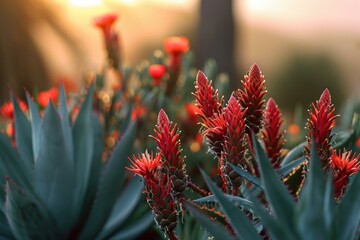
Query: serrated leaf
(293,153)
(238,200)
(123,207)
(288,168)
(256,181)
(110,182)
(348,217)
(83,141)
(54,176)
(135,230)
(241,225)
(35,126)
(311,224)
(11,164)
(278,196)
(27,217)
(214,228)
(23,136)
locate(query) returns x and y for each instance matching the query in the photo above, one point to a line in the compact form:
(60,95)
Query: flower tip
(271,104)
(176,45)
(163,119)
(201,78)
(254,72)
(325,96)
(106,20)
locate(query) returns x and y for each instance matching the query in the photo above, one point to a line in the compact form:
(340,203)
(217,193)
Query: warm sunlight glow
(84,3)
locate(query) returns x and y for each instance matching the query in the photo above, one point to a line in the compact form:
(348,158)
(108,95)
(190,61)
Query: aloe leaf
(111,179)
(247,176)
(293,153)
(54,176)
(278,196)
(83,140)
(329,206)
(134,230)
(237,200)
(27,217)
(311,224)
(288,168)
(214,228)
(241,225)
(23,136)
(348,218)
(65,122)
(273,227)
(123,207)
(127,120)
(35,126)
(5,231)
(11,164)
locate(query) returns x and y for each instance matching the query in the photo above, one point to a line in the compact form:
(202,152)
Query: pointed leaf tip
(201,78)
(163,119)
(325,98)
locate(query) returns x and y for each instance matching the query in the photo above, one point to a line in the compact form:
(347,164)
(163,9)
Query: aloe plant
(56,184)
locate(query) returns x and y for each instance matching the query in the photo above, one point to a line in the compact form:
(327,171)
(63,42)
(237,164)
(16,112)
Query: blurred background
(301,47)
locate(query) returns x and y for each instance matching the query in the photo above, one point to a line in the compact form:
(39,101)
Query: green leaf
(294,153)
(11,164)
(66,127)
(213,227)
(123,207)
(238,220)
(348,218)
(288,168)
(247,176)
(5,231)
(54,176)
(35,126)
(134,230)
(111,180)
(278,196)
(83,141)
(23,136)
(329,206)
(237,200)
(311,224)
(273,227)
(27,217)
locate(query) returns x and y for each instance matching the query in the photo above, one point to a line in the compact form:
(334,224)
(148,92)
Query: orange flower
(45,96)
(10,130)
(7,109)
(293,129)
(156,71)
(138,112)
(176,45)
(69,85)
(192,112)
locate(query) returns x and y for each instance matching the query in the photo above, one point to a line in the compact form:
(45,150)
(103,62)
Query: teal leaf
(11,164)
(294,153)
(288,168)
(329,206)
(35,126)
(237,200)
(240,223)
(123,207)
(278,196)
(247,176)
(54,176)
(214,228)
(23,136)
(27,217)
(111,179)
(135,229)
(348,218)
(311,224)
(5,231)
(83,141)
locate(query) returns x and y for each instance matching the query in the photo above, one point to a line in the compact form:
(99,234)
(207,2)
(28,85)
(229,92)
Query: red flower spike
(207,99)
(156,71)
(45,96)
(272,136)
(168,141)
(342,167)
(320,124)
(215,133)
(251,97)
(7,109)
(234,147)
(176,45)
(105,23)
(145,165)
